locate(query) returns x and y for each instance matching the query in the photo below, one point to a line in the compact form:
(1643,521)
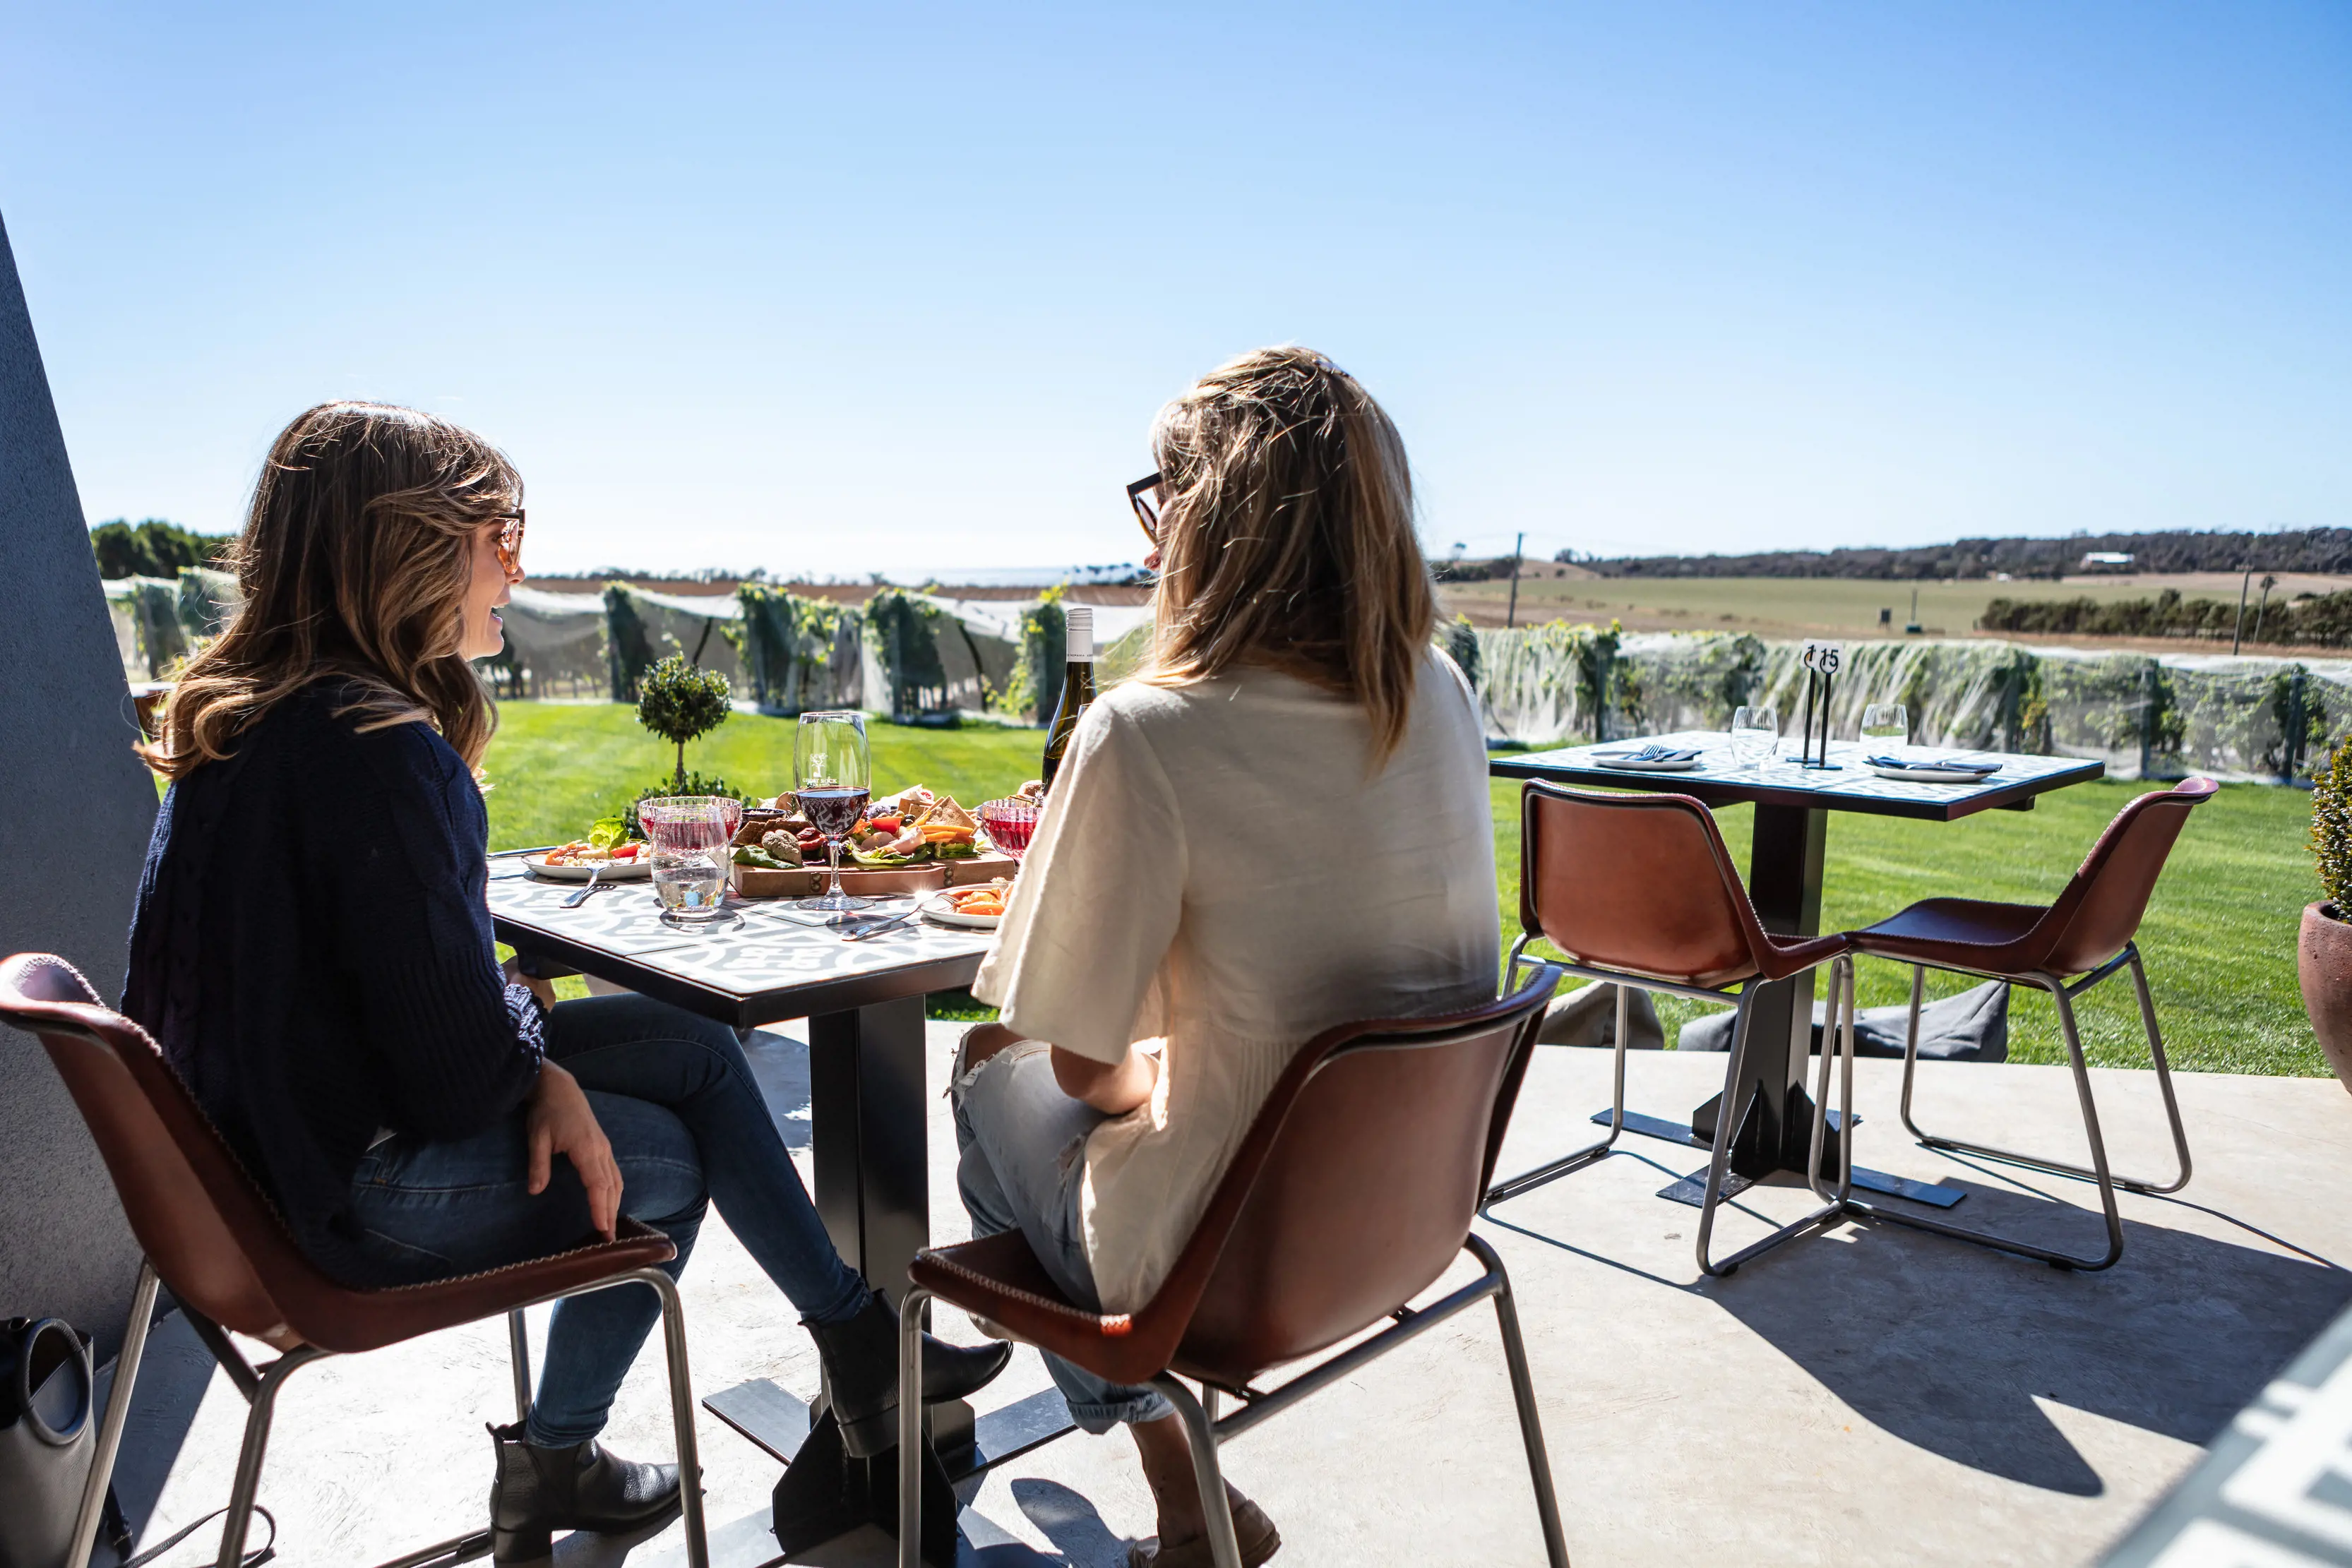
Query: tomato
(625,853)
(884,824)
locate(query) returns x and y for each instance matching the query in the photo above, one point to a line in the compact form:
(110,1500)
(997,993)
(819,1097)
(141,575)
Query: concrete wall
(74,810)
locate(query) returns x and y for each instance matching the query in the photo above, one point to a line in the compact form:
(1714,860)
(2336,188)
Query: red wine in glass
(833,812)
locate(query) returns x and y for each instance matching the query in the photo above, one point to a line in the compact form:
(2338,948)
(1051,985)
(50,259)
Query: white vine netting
(2144,716)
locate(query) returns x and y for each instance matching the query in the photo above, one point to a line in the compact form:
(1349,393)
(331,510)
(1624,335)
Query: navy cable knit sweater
(312,951)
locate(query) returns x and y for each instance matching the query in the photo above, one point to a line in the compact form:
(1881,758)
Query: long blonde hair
(354,565)
(1287,536)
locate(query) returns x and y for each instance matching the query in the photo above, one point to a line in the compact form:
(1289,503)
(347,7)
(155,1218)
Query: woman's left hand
(561,1121)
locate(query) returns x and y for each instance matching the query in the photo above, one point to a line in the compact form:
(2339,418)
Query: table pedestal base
(824,1493)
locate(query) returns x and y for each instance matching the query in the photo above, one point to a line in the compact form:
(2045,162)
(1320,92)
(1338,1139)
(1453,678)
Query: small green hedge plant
(2331,826)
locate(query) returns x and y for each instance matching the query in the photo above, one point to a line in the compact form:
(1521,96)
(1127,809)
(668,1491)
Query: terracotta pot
(2324,962)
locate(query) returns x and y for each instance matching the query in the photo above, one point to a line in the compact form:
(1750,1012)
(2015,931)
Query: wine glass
(1755,734)
(832,780)
(1886,731)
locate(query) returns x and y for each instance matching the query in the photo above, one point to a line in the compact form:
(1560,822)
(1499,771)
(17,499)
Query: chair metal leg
(1523,1394)
(257,1443)
(1200,1436)
(2129,957)
(681,1406)
(2097,1171)
(1839,1043)
(910,1428)
(518,1359)
(1528,1181)
(118,1412)
(1727,1131)
(2163,1082)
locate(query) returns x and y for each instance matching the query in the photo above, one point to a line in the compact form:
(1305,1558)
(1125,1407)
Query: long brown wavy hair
(354,564)
(1287,536)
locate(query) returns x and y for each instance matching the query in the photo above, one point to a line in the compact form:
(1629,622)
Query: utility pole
(1511,615)
(2243,584)
(2263,605)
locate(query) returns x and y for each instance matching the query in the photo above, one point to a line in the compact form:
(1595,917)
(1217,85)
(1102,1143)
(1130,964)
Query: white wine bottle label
(1081,619)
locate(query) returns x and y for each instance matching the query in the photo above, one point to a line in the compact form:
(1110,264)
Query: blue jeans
(1022,1143)
(688,1125)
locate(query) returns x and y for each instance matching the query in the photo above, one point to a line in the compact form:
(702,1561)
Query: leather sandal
(1252,1529)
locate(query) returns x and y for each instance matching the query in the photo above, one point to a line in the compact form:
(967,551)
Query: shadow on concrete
(1071,1524)
(1949,1346)
(781,1065)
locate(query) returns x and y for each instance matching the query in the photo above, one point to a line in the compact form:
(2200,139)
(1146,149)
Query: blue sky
(898,288)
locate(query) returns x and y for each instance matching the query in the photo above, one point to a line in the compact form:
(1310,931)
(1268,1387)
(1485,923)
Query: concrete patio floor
(1870,1394)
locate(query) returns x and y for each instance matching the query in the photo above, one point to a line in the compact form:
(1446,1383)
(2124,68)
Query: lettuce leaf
(884,861)
(963,850)
(607,832)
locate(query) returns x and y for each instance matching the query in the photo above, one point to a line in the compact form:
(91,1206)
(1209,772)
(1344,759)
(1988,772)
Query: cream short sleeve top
(1220,866)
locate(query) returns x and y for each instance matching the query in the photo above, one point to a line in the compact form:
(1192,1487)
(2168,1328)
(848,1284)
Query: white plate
(1933,775)
(937,908)
(1632,765)
(637,870)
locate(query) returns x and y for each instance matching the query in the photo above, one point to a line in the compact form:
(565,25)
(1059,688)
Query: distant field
(1783,607)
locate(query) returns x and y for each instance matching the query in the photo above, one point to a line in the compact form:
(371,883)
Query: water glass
(833,771)
(1885,730)
(1755,734)
(692,838)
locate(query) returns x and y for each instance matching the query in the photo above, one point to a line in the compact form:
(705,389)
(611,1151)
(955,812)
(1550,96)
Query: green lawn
(2220,936)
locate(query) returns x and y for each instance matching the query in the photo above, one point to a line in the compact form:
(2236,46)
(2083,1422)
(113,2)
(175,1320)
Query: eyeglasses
(510,545)
(1144,496)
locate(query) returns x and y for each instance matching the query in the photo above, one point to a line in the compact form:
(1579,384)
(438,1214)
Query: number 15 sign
(1821,661)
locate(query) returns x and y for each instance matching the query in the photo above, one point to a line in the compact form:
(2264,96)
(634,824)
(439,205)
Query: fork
(580,897)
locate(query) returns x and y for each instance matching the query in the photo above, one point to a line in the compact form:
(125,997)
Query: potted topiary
(2324,956)
(680,702)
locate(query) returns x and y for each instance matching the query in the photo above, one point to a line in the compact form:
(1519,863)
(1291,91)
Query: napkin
(1651,754)
(1947,764)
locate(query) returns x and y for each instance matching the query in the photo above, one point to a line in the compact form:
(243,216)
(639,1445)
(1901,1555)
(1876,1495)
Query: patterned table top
(759,961)
(1720,780)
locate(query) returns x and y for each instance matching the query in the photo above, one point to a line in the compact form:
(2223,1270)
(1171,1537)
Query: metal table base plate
(1934,1194)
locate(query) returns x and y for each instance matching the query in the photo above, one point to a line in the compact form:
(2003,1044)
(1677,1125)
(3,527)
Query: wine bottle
(1077,689)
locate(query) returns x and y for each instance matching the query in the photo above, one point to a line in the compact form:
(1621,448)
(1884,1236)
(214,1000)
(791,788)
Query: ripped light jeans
(1023,1144)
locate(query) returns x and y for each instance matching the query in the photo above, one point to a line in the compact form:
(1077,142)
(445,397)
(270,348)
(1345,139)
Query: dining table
(1772,1116)
(764,962)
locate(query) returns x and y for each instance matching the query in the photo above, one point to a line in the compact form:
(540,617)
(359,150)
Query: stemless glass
(691,835)
(1885,730)
(832,780)
(1755,734)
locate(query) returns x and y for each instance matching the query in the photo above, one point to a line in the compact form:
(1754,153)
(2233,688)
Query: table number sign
(1822,662)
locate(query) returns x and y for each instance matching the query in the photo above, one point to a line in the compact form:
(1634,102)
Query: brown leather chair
(210,1235)
(2064,947)
(1638,890)
(1353,1191)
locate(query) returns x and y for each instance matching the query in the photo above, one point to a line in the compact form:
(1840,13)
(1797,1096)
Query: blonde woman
(1282,826)
(312,951)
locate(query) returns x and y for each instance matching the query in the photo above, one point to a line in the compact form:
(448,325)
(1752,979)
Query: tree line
(2304,550)
(2314,619)
(155,547)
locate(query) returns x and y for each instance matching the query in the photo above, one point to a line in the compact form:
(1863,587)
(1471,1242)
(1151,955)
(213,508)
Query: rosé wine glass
(1011,823)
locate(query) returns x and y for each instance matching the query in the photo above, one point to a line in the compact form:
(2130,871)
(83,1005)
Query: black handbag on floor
(49,1435)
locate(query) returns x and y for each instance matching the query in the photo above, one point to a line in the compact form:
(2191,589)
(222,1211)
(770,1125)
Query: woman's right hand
(560,1121)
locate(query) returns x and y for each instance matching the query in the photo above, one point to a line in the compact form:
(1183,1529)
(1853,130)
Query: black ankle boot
(861,1370)
(539,1492)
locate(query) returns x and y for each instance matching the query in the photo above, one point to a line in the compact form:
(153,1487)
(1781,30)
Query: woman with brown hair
(312,951)
(1282,825)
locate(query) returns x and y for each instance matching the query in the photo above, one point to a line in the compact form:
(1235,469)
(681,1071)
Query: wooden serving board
(758,882)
